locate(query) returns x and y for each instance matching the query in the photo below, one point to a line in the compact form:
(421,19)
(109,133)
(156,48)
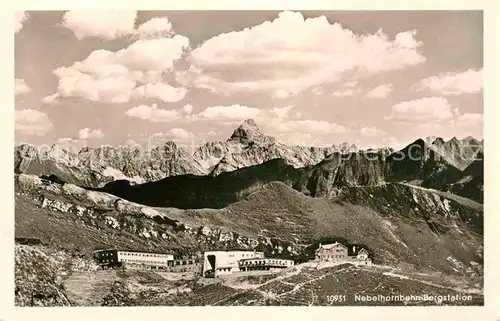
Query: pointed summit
(248,132)
(438,141)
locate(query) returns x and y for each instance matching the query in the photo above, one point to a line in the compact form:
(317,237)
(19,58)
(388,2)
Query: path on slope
(459,199)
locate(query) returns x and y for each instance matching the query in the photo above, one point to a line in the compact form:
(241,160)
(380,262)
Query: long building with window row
(112,258)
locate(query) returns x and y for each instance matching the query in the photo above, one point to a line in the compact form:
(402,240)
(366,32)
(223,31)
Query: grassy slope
(394,236)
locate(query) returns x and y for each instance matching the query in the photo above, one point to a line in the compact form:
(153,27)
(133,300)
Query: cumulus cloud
(282,112)
(21,87)
(392,142)
(51,99)
(278,125)
(179,133)
(187,109)
(155,28)
(317,91)
(153,113)
(345,92)
(435,116)
(428,109)
(134,72)
(372,131)
(234,112)
(289,54)
(173,134)
(349,88)
(161,91)
(65,140)
(32,122)
(469,119)
(107,25)
(19,19)
(87,133)
(301,139)
(114,24)
(467,82)
(381,91)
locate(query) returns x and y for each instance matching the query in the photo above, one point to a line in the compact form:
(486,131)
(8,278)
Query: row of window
(334,256)
(144,254)
(188,262)
(140,261)
(248,255)
(224,269)
(276,262)
(184,262)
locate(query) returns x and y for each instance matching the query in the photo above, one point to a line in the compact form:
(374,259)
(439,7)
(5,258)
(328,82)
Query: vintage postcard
(314,158)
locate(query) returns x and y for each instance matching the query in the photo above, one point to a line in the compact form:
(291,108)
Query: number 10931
(336,298)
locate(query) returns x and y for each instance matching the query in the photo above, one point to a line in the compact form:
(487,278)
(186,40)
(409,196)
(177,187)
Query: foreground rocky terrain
(56,283)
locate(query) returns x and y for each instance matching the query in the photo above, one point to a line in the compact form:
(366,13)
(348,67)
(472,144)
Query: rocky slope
(40,272)
(191,191)
(399,222)
(470,183)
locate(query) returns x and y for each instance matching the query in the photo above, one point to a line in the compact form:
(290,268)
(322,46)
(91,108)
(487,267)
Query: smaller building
(338,252)
(359,254)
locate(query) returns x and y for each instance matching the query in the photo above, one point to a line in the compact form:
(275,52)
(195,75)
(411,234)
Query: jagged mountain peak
(345,147)
(471,141)
(170,145)
(430,139)
(249,132)
(438,141)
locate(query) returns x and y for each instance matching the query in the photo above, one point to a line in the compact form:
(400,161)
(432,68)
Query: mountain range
(94,167)
(316,171)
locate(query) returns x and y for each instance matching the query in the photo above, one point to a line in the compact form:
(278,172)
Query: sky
(316,78)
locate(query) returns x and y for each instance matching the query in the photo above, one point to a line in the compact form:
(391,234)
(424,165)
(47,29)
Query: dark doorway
(211,260)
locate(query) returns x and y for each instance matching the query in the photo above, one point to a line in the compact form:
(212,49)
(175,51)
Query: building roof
(355,250)
(229,251)
(331,246)
(264,258)
(135,251)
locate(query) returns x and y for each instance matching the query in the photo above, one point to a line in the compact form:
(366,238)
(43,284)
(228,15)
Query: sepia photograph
(248,158)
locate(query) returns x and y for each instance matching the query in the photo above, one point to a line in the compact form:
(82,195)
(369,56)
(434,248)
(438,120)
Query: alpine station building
(219,263)
(112,258)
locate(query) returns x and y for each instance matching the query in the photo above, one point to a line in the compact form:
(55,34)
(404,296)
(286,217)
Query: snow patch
(118,175)
(149,212)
